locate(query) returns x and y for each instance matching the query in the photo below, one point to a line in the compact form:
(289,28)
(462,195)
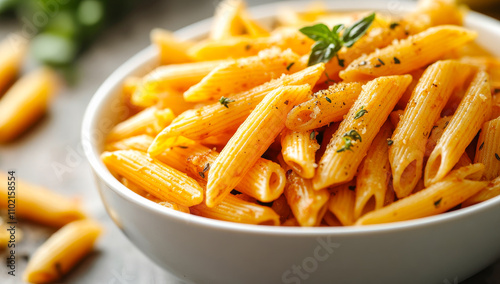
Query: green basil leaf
(357,30)
(317,32)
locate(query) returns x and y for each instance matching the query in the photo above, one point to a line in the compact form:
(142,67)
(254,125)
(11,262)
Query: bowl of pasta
(356,142)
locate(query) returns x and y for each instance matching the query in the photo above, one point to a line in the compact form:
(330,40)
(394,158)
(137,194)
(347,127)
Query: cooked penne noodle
(244,46)
(281,207)
(63,250)
(26,101)
(416,75)
(175,206)
(214,119)
(265,181)
(491,191)
(12,52)
(39,205)
(154,177)
(227,21)
(299,151)
(331,220)
(455,188)
(408,54)
(234,209)
(308,205)
(251,140)
(495,109)
(129,87)
(395,117)
(340,162)
(472,112)
(436,133)
(428,99)
(241,75)
(171,49)
(171,78)
(374,174)
(488,148)
(149,121)
(325,107)
(252,28)
(342,202)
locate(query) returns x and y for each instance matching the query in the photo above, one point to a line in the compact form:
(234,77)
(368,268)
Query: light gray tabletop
(54,141)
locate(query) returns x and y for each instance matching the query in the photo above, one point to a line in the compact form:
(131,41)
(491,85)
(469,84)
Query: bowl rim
(95,106)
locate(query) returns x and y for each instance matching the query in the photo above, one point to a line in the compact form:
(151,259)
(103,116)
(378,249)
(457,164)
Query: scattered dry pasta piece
(25,102)
(62,251)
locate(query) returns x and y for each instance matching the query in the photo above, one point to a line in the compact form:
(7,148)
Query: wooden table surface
(54,141)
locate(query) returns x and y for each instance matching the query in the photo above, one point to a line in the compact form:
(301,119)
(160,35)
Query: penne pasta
(324,107)
(298,150)
(472,112)
(234,209)
(374,174)
(171,79)
(171,49)
(428,99)
(242,74)
(408,54)
(227,20)
(340,162)
(149,121)
(281,207)
(488,148)
(25,102)
(342,202)
(251,140)
(153,176)
(62,251)
(436,133)
(491,191)
(12,52)
(39,205)
(455,188)
(216,118)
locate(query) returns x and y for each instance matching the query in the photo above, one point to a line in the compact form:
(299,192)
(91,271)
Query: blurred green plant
(60,30)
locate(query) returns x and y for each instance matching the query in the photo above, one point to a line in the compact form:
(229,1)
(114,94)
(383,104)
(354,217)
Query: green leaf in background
(357,30)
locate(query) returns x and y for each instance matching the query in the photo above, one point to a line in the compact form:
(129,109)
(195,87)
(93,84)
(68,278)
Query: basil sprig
(329,42)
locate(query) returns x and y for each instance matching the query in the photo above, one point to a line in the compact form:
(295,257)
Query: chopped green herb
(377,66)
(328,99)
(393,25)
(225,101)
(380,60)
(289,66)
(328,79)
(206,168)
(390,142)
(182,147)
(202,174)
(481,146)
(438,202)
(396,60)
(329,42)
(348,138)
(340,61)
(360,113)
(313,135)
(497,157)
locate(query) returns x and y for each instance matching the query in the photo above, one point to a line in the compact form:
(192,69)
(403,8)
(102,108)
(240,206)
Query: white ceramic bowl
(437,249)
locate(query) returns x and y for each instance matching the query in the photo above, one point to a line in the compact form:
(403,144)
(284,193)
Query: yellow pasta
(12,52)
(438,198)
(472,112)
(149,121)
(340,162)
(488,148)
(214,119)
(242,74)
(38,204)
(491,191)
(251,140)
(234,209)
(171,49)
(154,177)
(428,99)
(325,107)
(342,202)
(171,78)
(298,150)
(436,133)
(25,102)
(244,46)
(63,250)
(408,54)
(374,173)
(227,21)
(251,27)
